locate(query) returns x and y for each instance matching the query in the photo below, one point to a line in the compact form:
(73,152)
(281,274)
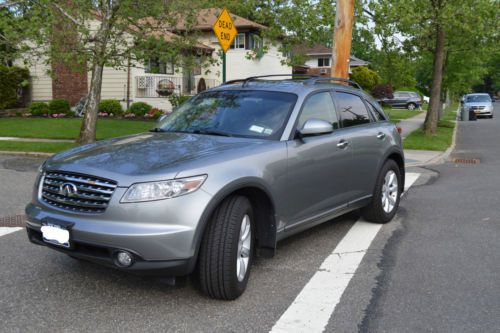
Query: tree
(439,27)
(93,34)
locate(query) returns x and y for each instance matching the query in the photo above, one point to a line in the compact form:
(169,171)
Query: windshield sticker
(257,129)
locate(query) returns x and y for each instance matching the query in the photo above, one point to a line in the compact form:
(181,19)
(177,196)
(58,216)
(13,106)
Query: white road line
(7,230)
(313,307)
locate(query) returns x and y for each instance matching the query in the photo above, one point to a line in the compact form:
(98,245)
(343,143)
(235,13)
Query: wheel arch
(265,217)
(398,157)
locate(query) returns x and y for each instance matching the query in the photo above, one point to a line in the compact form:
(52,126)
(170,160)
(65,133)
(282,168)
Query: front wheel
(226,251)
(411,106)
(385,200)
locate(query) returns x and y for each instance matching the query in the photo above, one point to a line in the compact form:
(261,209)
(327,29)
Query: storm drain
(13,221)
(466,160)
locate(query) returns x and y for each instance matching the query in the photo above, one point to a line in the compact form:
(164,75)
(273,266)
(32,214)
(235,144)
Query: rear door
(319,174)
(368,141)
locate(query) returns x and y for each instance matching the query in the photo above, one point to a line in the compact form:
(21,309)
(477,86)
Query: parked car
(404,99)
(480,104)
(225,176)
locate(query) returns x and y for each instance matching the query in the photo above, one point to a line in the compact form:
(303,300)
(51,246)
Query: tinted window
(352,109)
(376,112)
(319,106)
(239,113)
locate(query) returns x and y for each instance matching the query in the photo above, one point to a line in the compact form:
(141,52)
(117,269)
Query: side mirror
(316,126)
(461,102)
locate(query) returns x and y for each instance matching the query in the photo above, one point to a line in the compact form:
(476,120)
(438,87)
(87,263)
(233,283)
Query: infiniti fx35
(220,180)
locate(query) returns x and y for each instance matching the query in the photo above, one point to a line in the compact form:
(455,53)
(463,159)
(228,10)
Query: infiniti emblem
(68,189)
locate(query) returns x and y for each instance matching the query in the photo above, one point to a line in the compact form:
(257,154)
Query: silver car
(480,104)
(223,178)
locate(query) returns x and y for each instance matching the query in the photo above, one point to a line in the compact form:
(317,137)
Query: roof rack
(252,78)
(314,80)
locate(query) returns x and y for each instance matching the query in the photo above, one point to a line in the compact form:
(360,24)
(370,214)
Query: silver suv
(223,178)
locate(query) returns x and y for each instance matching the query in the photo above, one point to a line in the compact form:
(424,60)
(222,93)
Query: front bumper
(161,235)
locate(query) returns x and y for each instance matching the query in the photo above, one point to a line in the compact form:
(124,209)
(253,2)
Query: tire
(376,211)
(218,268)
(411,106)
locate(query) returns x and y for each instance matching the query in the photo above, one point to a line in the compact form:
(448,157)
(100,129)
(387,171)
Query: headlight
(40,168)
(163,189)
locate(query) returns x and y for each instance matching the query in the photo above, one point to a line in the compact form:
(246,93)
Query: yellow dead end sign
(225,30)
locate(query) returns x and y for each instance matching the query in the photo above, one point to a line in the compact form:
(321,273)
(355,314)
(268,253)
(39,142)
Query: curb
(25,153)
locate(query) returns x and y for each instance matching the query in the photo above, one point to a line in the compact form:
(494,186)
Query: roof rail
(314,80)
(251,78)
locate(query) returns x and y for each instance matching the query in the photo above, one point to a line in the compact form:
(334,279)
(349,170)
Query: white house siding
(41,82)
(114,83)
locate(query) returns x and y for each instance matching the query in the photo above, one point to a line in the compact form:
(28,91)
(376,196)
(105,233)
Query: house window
(239,42)
(157,66)
(323,62)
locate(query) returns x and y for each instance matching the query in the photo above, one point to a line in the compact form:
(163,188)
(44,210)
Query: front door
(318,166)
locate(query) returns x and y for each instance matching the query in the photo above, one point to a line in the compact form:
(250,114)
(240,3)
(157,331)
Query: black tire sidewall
(240,286)
(386,217)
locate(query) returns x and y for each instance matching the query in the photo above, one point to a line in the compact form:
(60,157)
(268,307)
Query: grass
(41,147)
(396,115)
(69,128)
(438,142)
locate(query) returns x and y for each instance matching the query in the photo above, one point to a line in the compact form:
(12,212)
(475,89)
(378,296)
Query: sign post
(225,31)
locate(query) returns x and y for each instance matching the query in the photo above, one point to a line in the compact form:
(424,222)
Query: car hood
(155,155)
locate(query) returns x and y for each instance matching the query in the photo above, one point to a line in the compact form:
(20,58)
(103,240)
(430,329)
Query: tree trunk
(342,38)
(88,129)
(431,118)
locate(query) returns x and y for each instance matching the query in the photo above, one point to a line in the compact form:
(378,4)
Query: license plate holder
(57,232)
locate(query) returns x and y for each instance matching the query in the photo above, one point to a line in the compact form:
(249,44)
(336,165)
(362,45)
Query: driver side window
(319,106)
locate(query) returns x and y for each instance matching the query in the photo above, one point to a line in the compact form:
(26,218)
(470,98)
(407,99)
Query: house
(142,81)
(319,60)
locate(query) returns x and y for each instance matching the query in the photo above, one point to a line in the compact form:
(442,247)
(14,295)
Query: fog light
(124,258)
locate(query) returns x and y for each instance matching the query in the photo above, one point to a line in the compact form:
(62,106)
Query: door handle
(342,144)
(381,136)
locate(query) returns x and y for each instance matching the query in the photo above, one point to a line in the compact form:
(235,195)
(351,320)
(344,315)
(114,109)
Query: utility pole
(342,38)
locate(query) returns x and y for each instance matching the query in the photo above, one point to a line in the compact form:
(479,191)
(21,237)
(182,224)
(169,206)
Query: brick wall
(68,83)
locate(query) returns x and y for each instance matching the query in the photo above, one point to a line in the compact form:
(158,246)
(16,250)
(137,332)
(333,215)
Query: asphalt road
(436,267)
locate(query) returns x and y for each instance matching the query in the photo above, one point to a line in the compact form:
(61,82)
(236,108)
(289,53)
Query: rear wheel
(385,200)
(411,106)
(227,250)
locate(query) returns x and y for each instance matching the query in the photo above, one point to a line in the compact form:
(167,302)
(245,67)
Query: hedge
(39,109)
(140,108)
(58,106)
(111,106)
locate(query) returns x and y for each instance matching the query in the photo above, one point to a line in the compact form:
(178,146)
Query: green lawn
(68,128)
(439,142)
(41,147)
(396,115)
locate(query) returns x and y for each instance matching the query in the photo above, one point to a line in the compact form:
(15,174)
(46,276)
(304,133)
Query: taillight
(399,129)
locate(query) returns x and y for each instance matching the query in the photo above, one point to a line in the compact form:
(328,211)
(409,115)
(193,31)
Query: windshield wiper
(157,129)
(211,132)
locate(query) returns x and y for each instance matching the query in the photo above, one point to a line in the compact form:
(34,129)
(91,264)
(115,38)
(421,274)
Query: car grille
(76,192)
(474,108)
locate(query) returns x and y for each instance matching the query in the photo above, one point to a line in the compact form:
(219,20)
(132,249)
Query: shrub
(177,100)
(110,106)
(366,77)
(381,91)
(39,109)
(139,108)
(11,80)
(58,106)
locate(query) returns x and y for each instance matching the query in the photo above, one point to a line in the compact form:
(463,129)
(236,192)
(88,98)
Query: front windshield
(478,98)
(244,113)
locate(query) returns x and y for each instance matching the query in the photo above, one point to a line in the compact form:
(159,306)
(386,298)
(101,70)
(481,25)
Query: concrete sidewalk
(11,138)
(411,124)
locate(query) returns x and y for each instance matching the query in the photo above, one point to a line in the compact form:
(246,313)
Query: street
(435,267)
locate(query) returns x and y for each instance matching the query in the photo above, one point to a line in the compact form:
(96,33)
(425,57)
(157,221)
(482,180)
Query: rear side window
(353,111)
(319,106)
(376,112)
